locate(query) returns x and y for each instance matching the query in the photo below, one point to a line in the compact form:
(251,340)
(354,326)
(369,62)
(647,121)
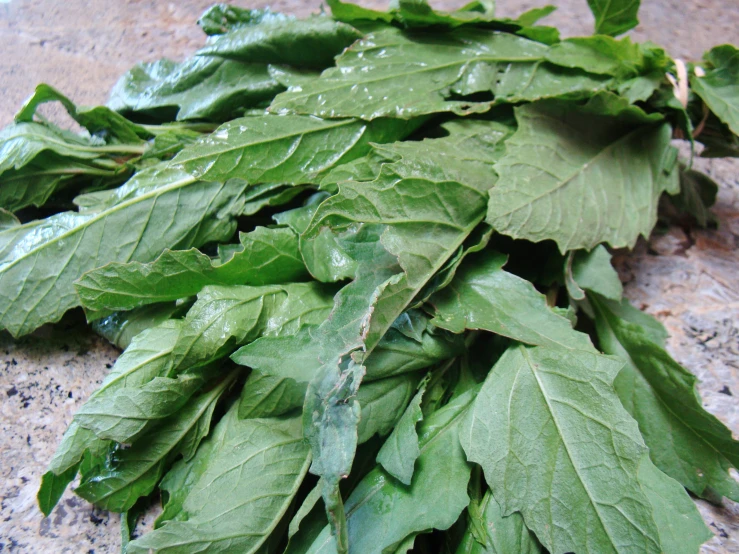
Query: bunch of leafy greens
(416,340)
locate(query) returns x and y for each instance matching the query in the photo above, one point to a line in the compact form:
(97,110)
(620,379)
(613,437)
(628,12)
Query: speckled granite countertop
(688,280)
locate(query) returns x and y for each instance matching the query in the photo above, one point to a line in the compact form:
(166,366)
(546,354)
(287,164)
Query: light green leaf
(685,441)
(284,149)
(400,451)
(446,196)
(599,54)
(158,208)
(222,18)
(267,395)
(242,494)
(503,535)
(592,271)
(145,359)
(309,43)
(484,296)
(135,471)
(614,17)
(98,120)
(719,88)
(266,256)
(392,73)
(580,179)
(550,434)
(297,357)
(381,512)
(126,412)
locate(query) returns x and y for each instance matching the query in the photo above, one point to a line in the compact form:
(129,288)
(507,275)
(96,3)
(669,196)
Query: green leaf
(135,471)
(297,357)
(100,121)
(142,361)
(599,54)
(158,208)
(685,441)
(243,492)
(309,43)
(266,256)
(446,196)
(592,271)
(284,149)
(372,78)
(8,220)
(484,296)
(52,488)
(719,88)
(383,403)
(125,413)
(697,194)
(580,179)
(501,534)
(550,433)
(225,317)
(121,327)
(381,512)
(207,88)
(400,451)
(267,395)
(222,18)
(614,17)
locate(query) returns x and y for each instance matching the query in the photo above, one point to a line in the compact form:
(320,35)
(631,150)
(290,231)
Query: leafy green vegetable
(614,17)
(684,440)
(719,88)
(267,256)
(562,427)
(566,178)
(263,461)
(308,43)
(419,307)
(497,534)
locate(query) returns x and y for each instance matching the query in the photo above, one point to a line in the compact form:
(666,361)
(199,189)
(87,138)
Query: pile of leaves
(416,341)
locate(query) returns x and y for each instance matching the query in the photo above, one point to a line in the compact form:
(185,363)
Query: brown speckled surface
(688,279)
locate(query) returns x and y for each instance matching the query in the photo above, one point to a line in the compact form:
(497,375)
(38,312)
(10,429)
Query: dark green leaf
(121,327)
(222,18)
(372,78)
(310,43)
(100,121)
(719,88)
(284,149)
(685,441)
(502,535)
(399,453)
(697,194)
(199,88)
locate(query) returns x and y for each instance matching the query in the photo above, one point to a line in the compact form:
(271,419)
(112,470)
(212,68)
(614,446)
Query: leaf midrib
(542,389)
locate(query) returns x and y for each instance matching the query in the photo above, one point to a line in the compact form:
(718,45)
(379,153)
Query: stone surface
(686,278)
